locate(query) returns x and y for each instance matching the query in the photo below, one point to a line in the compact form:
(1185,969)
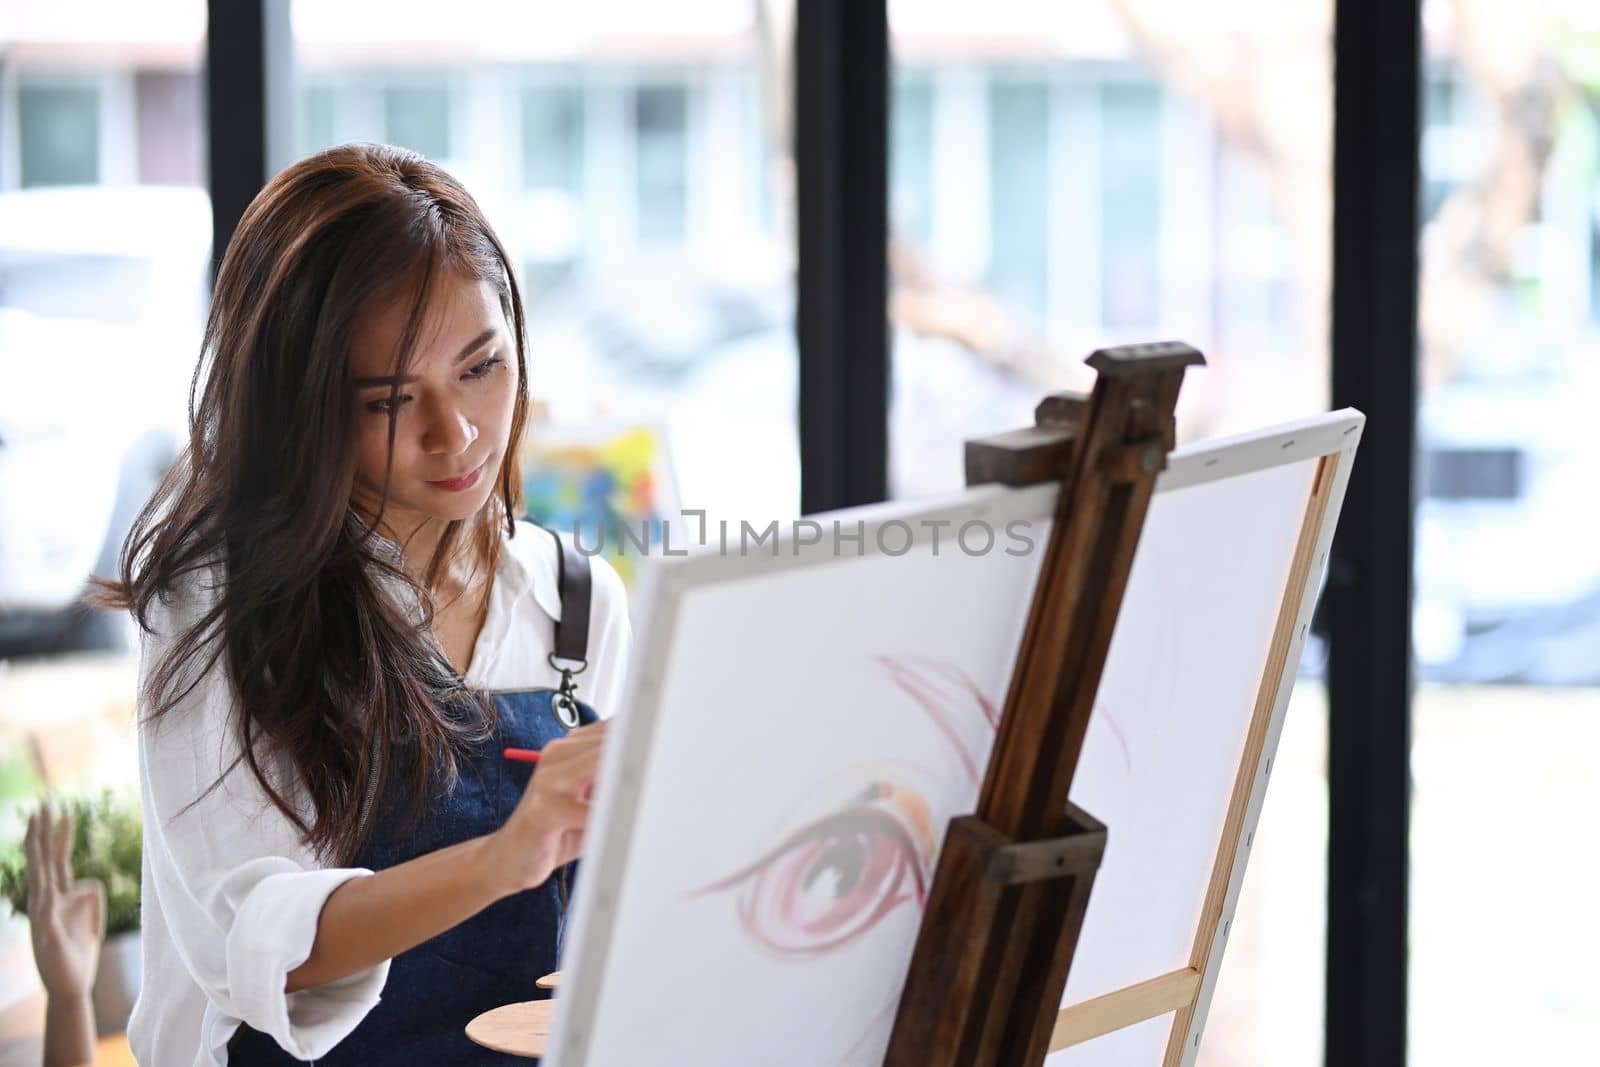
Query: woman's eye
(482,369)
(831,882)
(388,404)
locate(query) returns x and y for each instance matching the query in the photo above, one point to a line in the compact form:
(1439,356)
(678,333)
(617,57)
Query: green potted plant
(108,845)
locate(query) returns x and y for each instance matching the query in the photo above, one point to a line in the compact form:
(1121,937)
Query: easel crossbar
(1124,1007)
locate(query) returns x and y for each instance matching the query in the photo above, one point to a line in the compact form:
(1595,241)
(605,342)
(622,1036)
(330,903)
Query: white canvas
(1173,711)
(801,728)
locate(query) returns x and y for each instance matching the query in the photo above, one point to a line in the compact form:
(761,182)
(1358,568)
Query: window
(418,117)
(1072,176)
(552,137)
(59,134)
(553,176)
(1507,603)
(911,166)
(661,125)
(640,198)
(409,108)
(1130,205)
(1019,193)
(105,234)
(319,119)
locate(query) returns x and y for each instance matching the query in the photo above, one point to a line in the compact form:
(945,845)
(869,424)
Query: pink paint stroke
(910,673)
(893,874)
(917,675)
(946,693)
(1110,720)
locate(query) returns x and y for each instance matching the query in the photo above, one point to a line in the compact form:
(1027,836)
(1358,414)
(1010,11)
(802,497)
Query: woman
(344,626)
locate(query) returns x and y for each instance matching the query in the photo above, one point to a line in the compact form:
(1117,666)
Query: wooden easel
(1013,880)
(1012,884)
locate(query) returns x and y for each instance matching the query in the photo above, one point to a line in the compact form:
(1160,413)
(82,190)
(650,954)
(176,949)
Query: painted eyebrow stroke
(398,379)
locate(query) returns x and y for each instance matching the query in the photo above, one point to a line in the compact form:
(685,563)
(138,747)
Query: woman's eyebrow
(401,379)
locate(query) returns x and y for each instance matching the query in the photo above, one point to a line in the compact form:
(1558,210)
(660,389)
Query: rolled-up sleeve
(234,892)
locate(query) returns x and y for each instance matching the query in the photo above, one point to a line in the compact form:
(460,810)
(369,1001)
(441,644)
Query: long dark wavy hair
(331,676)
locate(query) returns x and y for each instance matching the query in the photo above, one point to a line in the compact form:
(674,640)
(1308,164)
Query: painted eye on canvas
(833,880)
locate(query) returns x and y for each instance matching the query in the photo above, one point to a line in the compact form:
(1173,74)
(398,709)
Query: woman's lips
(461,483)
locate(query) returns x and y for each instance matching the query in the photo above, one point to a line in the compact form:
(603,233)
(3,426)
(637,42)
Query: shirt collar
(528,564)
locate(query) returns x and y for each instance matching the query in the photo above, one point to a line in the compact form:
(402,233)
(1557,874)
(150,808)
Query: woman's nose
(449,431)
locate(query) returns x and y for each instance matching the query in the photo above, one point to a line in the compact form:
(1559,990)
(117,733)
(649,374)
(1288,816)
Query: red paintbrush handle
(521,755)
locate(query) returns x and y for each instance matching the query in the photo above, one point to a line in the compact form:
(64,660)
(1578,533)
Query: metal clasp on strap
(565,703)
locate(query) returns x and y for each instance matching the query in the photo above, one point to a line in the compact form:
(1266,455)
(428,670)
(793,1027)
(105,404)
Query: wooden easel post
(1012,885)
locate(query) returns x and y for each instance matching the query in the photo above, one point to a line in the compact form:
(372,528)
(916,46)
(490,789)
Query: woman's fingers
(567,768)
(49,819)
(47,846)
(546,829)
(34,867)
(99,909)
(582,739)
(561,820)
(572,845)
(576,754)
(573,841)
(61,852)
(94,892)
(564,813)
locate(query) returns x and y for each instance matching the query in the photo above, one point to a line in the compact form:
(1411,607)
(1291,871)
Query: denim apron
(494,958)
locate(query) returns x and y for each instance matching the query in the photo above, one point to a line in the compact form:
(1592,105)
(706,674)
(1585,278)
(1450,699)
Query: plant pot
(116,982)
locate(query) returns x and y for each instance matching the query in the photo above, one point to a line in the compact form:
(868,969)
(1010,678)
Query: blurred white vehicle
(102,290)
(1508,579)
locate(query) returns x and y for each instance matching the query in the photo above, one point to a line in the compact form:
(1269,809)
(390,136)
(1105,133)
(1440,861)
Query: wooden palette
(517,1029)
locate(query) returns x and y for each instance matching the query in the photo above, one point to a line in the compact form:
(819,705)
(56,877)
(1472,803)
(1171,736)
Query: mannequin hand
(546,829)
(67,918)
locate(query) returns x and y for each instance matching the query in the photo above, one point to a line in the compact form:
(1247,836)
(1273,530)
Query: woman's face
(452,412)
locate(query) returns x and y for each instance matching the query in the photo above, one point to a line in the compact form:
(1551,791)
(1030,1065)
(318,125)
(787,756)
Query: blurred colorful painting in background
(609,483)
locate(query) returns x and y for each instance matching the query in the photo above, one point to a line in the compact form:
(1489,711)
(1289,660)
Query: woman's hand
(374,918)
(546,829)
(68,920)
(66,917)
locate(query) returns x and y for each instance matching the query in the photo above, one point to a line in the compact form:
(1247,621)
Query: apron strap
(574,582)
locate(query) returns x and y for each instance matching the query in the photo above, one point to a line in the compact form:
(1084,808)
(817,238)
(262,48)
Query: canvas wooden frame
(1188,992)
(1330,440)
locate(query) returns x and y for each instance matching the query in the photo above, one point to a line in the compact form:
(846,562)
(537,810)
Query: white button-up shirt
(231,898)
